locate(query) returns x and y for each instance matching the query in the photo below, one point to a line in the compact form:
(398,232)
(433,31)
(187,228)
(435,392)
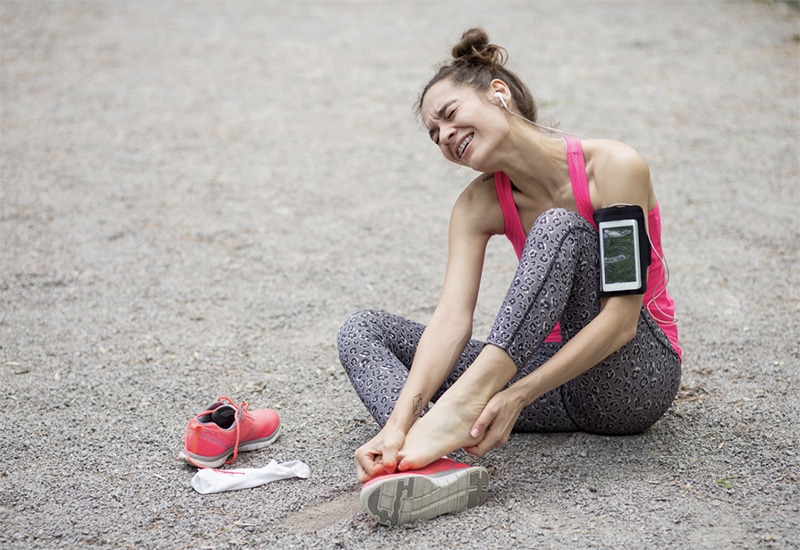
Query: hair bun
(477,63)
(474,47)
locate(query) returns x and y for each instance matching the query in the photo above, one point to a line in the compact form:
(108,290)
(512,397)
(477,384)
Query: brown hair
(476,62)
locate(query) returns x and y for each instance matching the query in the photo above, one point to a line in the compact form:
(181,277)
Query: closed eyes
(434,134)
(446,112)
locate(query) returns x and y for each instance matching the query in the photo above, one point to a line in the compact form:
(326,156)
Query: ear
(497,86)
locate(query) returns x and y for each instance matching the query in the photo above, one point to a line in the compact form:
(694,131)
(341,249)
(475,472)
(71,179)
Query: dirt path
(196,195)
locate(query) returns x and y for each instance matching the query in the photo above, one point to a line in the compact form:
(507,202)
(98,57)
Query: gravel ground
(195,195)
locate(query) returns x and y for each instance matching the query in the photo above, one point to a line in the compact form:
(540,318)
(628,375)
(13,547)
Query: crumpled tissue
(207,481)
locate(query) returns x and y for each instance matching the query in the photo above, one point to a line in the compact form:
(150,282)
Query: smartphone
(624,250)
(619,256)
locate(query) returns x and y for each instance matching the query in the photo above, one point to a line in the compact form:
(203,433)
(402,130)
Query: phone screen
(620,261)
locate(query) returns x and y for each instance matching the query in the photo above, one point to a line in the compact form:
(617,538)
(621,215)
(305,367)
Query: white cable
(540,126)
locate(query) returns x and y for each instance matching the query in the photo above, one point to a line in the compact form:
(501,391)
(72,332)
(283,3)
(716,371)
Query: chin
(475,164)
(478,162)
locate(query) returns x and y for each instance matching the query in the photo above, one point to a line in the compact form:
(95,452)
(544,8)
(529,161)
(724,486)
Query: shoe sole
(217,461)
(398,500)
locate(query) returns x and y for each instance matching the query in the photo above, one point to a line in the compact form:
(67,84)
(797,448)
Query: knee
(348,336)
(560,231)
(619,413)
(355,323)
(556,218)
(360,326)
(556,224)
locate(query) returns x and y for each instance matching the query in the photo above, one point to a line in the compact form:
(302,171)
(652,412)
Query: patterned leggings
(557,279)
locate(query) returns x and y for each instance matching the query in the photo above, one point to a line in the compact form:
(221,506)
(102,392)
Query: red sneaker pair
(443,487)
(215,436)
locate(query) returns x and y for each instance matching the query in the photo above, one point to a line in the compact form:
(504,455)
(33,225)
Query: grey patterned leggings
(557,279)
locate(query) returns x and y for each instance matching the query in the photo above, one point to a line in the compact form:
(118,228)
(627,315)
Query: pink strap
(513,225)
(577,175)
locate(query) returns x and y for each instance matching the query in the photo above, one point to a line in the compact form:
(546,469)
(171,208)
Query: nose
(447,134)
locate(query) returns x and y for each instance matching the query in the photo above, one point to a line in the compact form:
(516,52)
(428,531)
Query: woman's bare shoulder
(480,190)
(620,172)
(478,205)
(614,153)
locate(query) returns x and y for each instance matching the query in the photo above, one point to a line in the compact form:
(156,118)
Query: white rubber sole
(401,499)
(217,461)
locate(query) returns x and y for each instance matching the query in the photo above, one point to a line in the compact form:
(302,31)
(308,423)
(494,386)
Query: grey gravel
(195,195)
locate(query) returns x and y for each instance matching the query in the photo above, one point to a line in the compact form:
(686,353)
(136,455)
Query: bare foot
(446,426)
(443,429)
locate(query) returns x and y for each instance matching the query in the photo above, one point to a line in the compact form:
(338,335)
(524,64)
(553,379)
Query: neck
(534,161)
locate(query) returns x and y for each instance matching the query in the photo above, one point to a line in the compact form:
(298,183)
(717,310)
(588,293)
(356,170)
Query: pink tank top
(657,300)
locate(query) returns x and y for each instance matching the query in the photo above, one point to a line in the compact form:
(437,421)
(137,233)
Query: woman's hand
(380,454)
(493,426)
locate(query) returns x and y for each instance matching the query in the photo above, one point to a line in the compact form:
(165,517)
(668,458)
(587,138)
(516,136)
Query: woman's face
(464,123)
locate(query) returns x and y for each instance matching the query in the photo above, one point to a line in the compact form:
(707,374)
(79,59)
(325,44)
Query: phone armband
(624,250)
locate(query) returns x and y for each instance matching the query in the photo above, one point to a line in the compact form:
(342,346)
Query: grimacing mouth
(466,141)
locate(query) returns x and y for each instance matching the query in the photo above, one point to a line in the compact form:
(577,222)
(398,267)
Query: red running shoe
(224,429)
(443,487)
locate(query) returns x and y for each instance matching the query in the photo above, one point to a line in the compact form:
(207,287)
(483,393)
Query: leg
(557,280)
(624,394)
(377,349)
(547,413)
(630,390)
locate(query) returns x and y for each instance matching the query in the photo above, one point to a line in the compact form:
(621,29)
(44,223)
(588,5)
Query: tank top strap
(577,175)
(513,225)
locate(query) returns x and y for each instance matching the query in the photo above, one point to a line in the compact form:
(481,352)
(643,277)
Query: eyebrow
(440,115)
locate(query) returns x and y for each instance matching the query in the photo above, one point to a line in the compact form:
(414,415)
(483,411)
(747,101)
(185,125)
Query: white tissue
(207,481)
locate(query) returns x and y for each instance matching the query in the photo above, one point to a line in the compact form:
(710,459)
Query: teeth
(464,145)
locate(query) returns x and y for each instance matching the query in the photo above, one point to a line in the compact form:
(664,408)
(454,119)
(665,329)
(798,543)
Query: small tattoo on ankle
(417,406)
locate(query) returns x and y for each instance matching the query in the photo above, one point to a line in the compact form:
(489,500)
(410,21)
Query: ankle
(489,374)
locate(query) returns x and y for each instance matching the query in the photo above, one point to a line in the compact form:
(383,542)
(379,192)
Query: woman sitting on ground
(560,357)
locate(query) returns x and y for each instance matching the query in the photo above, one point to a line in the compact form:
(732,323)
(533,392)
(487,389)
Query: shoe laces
(196,427)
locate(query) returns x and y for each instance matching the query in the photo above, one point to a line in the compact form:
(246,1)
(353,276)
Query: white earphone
(503,101)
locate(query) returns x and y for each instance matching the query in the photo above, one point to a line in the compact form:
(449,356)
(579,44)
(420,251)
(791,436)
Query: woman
(558,358)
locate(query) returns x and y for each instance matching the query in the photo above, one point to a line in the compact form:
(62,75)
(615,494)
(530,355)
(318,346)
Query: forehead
(436,99)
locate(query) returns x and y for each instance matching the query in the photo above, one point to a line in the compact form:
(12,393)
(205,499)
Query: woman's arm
(450,326)
(475,217)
